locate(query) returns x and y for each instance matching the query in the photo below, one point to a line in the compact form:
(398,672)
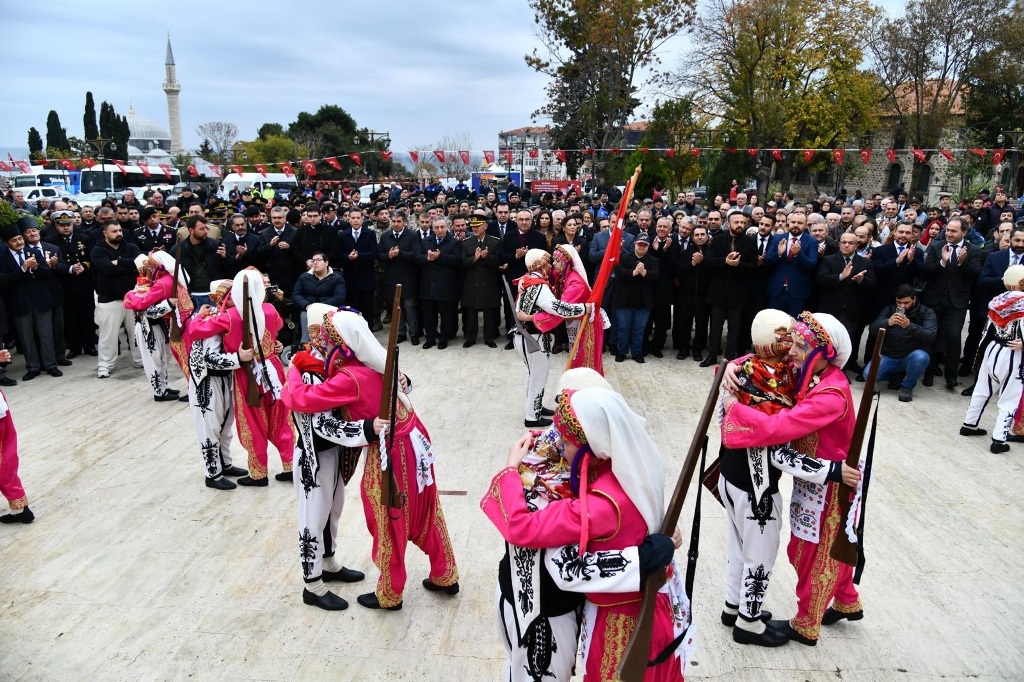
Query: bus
(48,177)
(107,177)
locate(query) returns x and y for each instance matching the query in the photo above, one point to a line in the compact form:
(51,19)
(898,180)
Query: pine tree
(35,143)
(106,114)
(92,131)
(122,133)
(56,136)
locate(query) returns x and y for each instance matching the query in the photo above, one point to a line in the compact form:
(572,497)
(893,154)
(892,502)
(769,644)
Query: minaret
(172,88)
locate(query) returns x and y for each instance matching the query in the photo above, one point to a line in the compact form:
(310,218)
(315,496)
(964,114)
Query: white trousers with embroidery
(565,632)
(538,365)
(999,376)
(319,511)
(154,352)
(213,416)
(752,549)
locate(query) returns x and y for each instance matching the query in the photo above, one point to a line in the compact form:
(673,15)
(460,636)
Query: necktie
(849,260)
(355,236)
(21,258)
(760,249)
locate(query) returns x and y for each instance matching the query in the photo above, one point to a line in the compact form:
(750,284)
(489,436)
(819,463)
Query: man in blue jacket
(792,259)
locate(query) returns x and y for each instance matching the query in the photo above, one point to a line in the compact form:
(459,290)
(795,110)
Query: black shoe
(783,627)
(657,353)
(220,483)
(964,371)
(376,326)
(710,361)
(182,398)
(682,355)
(91,352)
(620,358)
(253,482)
(490,344)
(906,395)
(638,358)
(951,384)
(402,337)
(441,345)
(832,616)
(370,601)
(547,412)
(415,341)
(344,575)
(510,345)
(428,344)
(768,638)
(859,378)
(173,391)
(54,372)
(284,476)
(853,367)
(998,447)
(64,363)
(73,354)
(166,397)
(534,423)
(234,471)
(927,381)
(972,431)
(450,590)
(7,381)
(698,356)
(26,516)
(969,391)
(729,619)
(328,602)
(29,376)
(468,344)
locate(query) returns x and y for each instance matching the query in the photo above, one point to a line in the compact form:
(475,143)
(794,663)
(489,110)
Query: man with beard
(114,264)
(732,259)
(691,308)
(275,251)
(792,260)
(398,251)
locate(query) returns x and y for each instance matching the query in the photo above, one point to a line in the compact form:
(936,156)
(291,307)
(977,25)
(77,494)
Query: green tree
(56,136)
(273,149)
(670,127)
(206,152)
(778,80)
(268,129)
(91,128)
(994,98)
(35,144)
(330,131)
(597,51)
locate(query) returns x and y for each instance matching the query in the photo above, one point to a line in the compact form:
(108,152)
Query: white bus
(44,177)
(107,177)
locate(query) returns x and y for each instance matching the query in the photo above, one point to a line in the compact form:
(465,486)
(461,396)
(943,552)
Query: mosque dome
(146,133)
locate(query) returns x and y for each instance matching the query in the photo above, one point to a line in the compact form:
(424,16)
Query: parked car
(34,194)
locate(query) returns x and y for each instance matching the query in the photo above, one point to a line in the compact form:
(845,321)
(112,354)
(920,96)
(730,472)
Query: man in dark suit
(503,223)
(792,261)
(314,236)
(440,258)
(239,247)
(79,299)
(691,308)
(152,235)
(358,247)
(666,251)
(398,250)
(845,284)
(481,287)
(896,263)
(514,246)
(732,260)
(275,251)
(950,269)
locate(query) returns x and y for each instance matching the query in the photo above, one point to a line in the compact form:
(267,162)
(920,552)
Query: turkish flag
(730,150)
(979,152)
(216,171)
(386,154)
(451,157)
(356,158)
(144,167)
(671,153)
(5,168)
(464,155)
(332,161)
(615,150)
(88,163)
(997,156)
(261,169)
(918,154)
(68,164)
(488,157)
(166,168)
(507,155)
(865,155)
(27,168)
(777,154)
(948,154)
(309,168)
(891,155)
(839,155)
(643,150)
(190,168)
(808,155)
(236,169)
(695,151)
(286,168)
(124,171)
(415,156)
(753,152)
(534,153)
(588,150)
(439,154)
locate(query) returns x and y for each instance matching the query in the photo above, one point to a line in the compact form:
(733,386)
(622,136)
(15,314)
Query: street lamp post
(371,166)
(101,144)
(1015,138)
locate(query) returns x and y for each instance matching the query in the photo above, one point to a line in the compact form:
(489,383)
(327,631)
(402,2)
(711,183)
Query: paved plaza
(134,570)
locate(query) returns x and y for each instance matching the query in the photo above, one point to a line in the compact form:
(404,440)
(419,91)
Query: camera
(273,289)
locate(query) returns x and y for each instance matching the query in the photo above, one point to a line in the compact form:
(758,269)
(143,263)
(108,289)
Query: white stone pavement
(134,570)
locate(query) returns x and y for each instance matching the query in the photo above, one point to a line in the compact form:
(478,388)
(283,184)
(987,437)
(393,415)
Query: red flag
(356,158)
(166,168)
(777,154)
(534,153)
(997,156)
(144,167)
(615,150)
(5,168)
(124,171)
(261,169)
(309,168)
(507,155)
(286,168)
(839,155)
(88,163)
(948,154)
(332,161)
(643,150)
(489,157)
(27,168)
(68,164)
(560,155)
(694,151)
(216,171)
(918,154)
(808,155)
(752,151)
(190,168)
(611,253)
(730,150)
(979,152)
(415,156)
(865,155)
(891,155)
(464,155)
(588,150)
(439,154)
(671,153)
(237,169)
(386,154)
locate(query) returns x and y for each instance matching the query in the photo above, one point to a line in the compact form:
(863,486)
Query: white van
(282,184)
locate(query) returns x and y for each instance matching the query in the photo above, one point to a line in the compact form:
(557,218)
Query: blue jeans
(631,322)
(913,364)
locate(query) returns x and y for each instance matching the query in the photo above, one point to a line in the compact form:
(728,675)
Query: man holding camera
(910,329)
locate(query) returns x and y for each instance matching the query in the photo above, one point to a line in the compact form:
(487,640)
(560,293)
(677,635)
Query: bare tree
(453,166)
(221,136)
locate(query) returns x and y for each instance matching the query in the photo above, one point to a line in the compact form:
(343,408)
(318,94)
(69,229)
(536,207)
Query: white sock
(331,564)
(756,626)
(317,587)
(730,609)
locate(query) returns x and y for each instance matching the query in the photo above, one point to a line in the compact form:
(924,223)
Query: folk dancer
(10,484)
(569,284)
(267,422)
(820,425)
(150,302)
(327,452)
(540,312)
(210,381)
(618,475)
(1003,363)
(354,384)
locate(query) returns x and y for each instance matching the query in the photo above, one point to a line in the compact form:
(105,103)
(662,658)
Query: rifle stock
(528,341)
(633,665)
(252,394)
(390,496)
(842,549)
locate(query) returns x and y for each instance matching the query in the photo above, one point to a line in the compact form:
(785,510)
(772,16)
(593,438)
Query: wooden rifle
(852,553)
(633,665)
(252,394)
(175,327)
(390,495)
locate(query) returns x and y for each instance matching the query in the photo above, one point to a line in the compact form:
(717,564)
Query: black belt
(218,372)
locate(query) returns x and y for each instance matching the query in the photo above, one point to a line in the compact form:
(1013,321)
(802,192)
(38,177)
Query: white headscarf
(140,261)
(167,261)
(257,292)
(581,377)
(357,335)
(574,256)
(838,338)
(617,433)
(315,313)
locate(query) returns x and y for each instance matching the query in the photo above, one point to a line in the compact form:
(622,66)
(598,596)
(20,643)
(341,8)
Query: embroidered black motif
(211,457)
(755,584)
(573,566)
(154,381)
(757,466)
(526,564)
(540,645)
(563,309)
(762,513)
(788,457)
(307,551)
(337,430)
